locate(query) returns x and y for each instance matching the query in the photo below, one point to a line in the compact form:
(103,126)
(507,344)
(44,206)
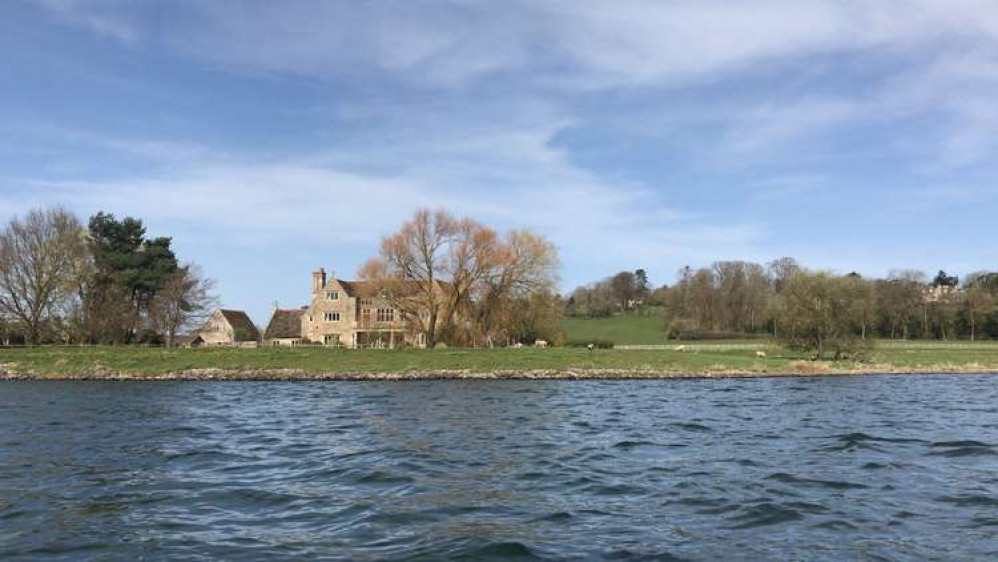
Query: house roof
(284,324)
(244,328)
(373,288)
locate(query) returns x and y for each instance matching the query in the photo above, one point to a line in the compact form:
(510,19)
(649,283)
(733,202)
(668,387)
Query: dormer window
(332,317)
(333,295)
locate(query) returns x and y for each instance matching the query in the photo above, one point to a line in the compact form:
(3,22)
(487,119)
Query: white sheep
(760,354)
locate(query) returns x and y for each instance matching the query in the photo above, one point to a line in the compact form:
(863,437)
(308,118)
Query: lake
(827,468)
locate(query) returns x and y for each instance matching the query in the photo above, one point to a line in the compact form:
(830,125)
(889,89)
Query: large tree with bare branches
(39,255)
(450,277)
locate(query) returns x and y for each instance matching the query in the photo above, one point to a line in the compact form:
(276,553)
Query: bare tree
(449,277)
(38,255)
(185,300)
(410,267)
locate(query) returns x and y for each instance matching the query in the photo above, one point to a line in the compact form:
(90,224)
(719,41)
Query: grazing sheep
(540,343)
(760,354)
(518,345)
(591,346)
(679,348)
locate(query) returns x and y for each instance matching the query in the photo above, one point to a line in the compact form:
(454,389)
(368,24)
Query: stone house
(285,328)
(347,314)
(229,327)
(937,293)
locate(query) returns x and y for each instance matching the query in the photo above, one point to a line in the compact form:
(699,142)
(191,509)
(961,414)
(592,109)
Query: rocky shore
(808,370)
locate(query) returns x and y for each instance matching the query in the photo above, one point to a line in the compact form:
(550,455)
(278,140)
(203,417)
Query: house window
(386,315)
(332,339)
(333,295)
(366,302)
(332,317)
(365,314)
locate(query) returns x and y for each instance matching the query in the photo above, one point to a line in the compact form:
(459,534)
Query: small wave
(966,448)
(632,444)
(557,516)
(631,555)
(830,484)
(836,525)
(379,477)
(616,490)
(848,441)
(970,500)
(689,426)
(963,443)
(502,550)
(765,514)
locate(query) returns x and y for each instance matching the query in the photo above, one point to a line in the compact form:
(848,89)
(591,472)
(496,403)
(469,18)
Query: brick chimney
(318,280)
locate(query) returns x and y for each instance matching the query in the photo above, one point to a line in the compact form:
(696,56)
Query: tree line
(748,298)
(103,283)
(817,310)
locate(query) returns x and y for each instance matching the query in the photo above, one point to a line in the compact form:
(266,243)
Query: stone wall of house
(316,328)
(217,330)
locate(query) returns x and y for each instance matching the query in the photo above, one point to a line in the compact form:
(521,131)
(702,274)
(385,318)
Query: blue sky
(272,137)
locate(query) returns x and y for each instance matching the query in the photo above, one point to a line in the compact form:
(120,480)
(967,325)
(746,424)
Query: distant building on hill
(228,327)
(344,313)
(936,293)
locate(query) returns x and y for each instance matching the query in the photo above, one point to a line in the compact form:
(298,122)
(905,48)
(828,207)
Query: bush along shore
(707,360)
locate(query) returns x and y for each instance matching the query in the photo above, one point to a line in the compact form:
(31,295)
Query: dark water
(876,468)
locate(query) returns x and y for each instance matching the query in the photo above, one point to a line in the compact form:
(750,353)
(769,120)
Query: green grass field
(713,357)
(640,329)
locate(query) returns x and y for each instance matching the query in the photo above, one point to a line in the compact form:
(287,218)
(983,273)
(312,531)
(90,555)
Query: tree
(943,280)
(185,300)
(980,300)
(643,286)
(625,288)
(901,300)
(782,269)
(410,267)
(127,271)
(38,256)
(819,316)
(452,278)
(523,271)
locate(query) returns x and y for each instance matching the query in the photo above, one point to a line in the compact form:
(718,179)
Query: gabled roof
(284,324)
(244,328)
(372,288)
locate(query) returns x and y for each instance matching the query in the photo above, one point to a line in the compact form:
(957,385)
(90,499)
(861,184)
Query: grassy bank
(714,358)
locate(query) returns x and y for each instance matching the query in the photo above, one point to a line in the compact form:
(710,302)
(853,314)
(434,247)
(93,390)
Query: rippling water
(880,468)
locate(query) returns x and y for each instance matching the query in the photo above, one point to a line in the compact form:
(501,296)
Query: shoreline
(296,375)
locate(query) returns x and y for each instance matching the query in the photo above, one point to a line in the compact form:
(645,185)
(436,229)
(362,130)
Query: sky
(269,138)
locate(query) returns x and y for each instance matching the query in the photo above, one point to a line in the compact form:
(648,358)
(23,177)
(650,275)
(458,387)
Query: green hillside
(632,328)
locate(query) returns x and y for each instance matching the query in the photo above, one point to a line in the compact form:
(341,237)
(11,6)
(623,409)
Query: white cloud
(603,42)
(508,177)
(106,19)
